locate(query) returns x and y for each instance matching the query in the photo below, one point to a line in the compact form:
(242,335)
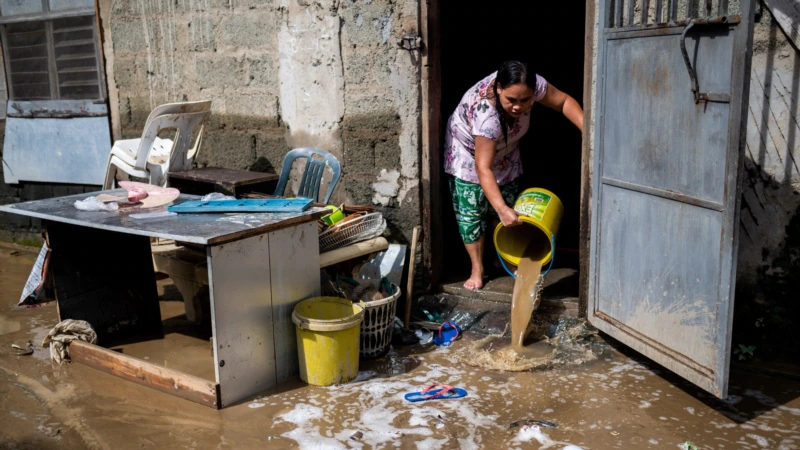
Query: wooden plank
(229,177)
(618,14)
(225,181)
(645,11)
(173,382)
(431,142)
(788,17)
(586,160)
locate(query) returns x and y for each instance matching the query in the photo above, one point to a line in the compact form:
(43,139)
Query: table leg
(105,278)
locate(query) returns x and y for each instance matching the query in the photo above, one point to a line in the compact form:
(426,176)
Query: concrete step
(559,297)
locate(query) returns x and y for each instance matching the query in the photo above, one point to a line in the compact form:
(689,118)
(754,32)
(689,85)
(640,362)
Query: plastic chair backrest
(312,174)
(184,117)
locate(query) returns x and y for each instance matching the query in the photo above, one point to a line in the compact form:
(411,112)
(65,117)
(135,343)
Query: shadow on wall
(769,242)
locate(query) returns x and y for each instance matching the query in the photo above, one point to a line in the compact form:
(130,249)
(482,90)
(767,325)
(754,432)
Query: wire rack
(343,234)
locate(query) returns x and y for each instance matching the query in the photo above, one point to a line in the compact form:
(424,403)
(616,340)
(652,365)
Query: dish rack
(356,230)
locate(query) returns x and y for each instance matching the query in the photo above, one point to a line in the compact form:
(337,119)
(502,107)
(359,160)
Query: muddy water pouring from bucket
(526,290)
(529,246)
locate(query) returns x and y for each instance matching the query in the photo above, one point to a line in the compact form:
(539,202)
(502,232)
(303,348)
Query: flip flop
(448,333)
(432,393)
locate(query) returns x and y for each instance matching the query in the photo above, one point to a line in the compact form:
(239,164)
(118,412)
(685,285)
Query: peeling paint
(387,187)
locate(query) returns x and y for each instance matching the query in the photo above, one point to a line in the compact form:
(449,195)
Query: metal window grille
(51,50)
(643,14)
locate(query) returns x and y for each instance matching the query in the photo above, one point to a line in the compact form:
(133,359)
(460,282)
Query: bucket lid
(327,314)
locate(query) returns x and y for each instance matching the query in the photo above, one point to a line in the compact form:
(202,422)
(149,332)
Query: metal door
(672,89)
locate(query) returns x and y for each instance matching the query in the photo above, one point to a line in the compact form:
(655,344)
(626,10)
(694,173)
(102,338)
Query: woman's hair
(510,73)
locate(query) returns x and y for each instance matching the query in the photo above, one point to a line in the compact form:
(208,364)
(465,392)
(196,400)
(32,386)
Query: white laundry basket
(377,326)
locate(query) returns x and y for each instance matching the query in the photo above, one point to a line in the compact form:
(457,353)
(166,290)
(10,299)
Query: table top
(231,177)
(205,229)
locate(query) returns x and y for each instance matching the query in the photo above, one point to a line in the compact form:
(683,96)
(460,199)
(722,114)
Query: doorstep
(559,298)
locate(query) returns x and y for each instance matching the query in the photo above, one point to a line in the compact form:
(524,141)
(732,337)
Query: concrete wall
(769,241)
(282,74)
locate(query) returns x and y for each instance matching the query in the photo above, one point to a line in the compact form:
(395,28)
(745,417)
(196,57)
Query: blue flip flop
(436,392)
(448,333)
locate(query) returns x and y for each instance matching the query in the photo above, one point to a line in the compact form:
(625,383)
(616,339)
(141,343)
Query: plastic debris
(33,287)
(23,351)
(217,196)
(425,336)
(152,215)
(688,446)
(615,433)
(357,435)
(93,204)
(540,423)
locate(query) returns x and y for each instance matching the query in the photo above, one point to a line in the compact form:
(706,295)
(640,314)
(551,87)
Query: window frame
(47,17)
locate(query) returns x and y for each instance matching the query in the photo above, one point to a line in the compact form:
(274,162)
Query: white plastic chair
(151,157)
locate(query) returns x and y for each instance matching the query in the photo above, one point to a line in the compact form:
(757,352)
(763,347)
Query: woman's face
(516,99)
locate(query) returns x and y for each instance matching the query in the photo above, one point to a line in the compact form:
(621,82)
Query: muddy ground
(618,401)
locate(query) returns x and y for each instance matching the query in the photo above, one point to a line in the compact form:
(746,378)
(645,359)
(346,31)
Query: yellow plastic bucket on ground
(542,211)
(328,330)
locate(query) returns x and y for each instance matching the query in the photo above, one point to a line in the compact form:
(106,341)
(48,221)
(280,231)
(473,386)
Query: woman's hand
(509,217)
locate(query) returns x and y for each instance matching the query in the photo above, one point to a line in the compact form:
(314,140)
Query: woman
(482,150)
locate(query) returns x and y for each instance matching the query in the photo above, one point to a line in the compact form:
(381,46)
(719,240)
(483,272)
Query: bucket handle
(549,266)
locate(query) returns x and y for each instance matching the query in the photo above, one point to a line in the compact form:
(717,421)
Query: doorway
(549,36)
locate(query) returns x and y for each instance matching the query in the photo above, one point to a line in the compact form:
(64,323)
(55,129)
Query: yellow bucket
(542,211)
(328,331)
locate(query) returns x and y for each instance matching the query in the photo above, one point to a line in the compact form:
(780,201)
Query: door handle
(711,97)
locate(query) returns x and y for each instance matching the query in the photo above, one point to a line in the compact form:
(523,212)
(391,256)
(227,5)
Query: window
(52,59)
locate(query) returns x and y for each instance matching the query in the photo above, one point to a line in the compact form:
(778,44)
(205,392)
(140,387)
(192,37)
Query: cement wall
(769,241)
(282,74)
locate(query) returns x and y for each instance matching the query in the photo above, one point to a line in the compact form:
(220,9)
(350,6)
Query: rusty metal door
(672,90)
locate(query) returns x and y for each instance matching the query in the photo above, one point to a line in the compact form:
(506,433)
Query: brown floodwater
(615,400)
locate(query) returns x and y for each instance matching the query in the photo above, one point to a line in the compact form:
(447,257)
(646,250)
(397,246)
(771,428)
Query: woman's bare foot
(475,281)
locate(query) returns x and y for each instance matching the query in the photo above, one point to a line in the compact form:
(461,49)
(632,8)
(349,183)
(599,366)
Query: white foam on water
(374,406)
(533,432)
(760,440)
(431,444)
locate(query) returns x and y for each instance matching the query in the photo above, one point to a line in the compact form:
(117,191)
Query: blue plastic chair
(312,174)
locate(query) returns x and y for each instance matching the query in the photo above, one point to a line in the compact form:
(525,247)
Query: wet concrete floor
(618,401)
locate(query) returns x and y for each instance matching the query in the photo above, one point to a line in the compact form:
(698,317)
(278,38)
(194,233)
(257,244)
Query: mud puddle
(614,401)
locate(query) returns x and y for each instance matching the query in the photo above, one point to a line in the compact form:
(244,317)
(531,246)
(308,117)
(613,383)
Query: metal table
(259,266)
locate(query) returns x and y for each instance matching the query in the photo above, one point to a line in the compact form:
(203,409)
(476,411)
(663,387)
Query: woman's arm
(485,149)
(559,101)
